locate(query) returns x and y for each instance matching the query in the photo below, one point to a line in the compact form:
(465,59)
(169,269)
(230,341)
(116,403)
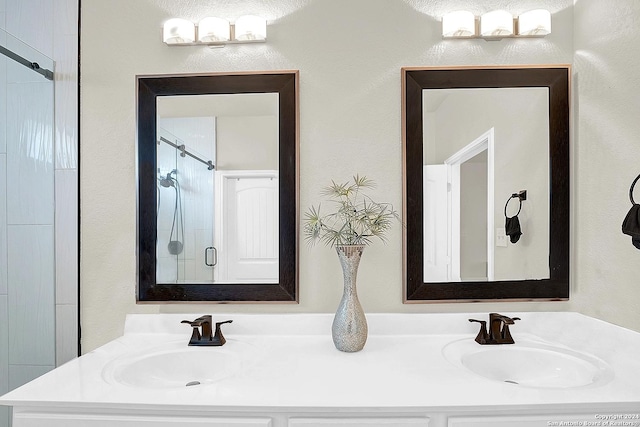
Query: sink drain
(506,381)
(190,383)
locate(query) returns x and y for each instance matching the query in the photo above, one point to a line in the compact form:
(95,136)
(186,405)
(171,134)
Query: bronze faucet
(498,331)
(206,338)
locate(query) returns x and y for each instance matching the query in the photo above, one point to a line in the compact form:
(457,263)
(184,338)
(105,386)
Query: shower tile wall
(31,298)
(4,309)
(32,22)
(4,356)
(3,8)
(3,227)
(3,95)
(65,54)
(66,247)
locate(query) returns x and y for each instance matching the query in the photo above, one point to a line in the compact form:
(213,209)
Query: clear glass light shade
(535,23)
(458,24)
(176,31)
(213,29)
(497,23)
(251,27)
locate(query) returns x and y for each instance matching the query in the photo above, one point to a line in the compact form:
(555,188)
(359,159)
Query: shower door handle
(206,256)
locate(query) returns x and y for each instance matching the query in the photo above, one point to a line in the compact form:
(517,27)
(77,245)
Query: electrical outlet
(501,237)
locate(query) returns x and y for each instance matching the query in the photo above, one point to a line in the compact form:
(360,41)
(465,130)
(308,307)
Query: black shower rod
(182,149)
(48,74)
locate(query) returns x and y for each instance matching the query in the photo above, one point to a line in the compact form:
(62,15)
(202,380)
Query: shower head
(167,181)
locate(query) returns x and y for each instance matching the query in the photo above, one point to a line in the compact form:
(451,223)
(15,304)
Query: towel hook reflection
(512,224)
(631,223)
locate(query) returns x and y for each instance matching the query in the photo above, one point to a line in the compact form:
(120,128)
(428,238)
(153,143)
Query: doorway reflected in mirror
(480,144)
(455,232)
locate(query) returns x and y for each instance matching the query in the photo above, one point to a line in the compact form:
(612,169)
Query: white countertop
(296,365)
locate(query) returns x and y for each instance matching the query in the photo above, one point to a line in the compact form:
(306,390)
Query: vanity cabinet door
(359,422)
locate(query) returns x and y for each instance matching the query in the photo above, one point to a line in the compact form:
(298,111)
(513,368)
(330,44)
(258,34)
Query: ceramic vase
(349,329)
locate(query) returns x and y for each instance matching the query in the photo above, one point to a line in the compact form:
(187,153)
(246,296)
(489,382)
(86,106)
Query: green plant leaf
(356,219)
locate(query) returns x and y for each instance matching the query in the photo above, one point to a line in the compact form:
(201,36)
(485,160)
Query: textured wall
(607,158)
(349,54)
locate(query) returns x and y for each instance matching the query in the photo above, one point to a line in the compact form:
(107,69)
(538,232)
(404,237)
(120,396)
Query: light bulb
(178,31)
(250,27)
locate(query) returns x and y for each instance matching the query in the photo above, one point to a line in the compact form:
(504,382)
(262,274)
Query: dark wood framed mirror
(423,91)
(167,188)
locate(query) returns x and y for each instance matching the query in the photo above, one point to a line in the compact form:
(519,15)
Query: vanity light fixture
(534,23)
(213,31)
(496,25)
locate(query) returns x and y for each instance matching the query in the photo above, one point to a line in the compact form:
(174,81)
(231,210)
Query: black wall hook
(512,224)
(633,184)
(631,223)
(521,196)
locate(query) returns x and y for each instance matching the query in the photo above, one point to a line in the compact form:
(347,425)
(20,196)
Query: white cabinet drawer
(67,420)
(526,421)
(359,422)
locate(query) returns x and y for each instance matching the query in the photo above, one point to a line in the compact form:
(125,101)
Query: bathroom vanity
(283,370)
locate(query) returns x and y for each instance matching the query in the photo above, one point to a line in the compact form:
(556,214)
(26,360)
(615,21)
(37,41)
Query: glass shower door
(185,213)
(27,250)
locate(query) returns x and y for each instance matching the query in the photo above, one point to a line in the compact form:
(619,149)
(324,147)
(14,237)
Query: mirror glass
(480,147)
(486,183)
(217,187)
(217,163)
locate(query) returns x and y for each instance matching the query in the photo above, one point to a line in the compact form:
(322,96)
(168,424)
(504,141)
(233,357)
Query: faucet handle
(217,336)
(483,335)
(199,321)
(506,334)
(195,335)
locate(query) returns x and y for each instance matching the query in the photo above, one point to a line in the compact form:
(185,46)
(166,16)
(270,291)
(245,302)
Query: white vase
(349,329)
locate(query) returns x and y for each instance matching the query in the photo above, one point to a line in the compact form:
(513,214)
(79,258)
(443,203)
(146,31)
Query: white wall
(247,143)
(607,106)
(349,54)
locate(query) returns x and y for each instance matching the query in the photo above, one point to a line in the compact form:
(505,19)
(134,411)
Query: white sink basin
(529,363)
(177,365)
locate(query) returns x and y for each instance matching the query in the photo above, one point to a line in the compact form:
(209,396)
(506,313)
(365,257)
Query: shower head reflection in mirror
(176,236)
(167,181)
